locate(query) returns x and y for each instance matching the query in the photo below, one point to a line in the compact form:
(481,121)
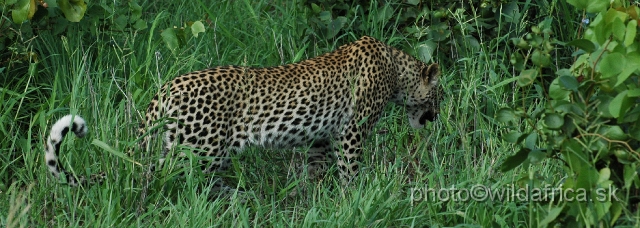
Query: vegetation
(540,124)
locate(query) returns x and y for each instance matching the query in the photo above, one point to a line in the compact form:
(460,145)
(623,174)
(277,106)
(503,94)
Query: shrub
(589,117)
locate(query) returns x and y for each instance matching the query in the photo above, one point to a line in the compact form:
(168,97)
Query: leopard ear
(431,74)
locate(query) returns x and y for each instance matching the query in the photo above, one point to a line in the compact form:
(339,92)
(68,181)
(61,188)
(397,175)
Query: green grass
(110,82)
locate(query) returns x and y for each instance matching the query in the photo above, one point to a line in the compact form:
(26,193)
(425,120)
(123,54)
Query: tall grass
(110,82)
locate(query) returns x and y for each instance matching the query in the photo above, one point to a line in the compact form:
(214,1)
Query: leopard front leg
(350,148)
(319,157)
(318,160)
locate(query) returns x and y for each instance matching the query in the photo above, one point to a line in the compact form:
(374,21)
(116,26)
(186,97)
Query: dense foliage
(555,81)
(590,113)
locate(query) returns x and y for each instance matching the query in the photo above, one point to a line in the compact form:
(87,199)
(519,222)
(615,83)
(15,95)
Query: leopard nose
(428,115)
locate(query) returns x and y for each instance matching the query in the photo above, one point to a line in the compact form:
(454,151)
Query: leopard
(329,103)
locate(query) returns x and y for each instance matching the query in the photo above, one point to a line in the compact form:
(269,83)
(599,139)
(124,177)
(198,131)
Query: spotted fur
(58,132)
(330,102)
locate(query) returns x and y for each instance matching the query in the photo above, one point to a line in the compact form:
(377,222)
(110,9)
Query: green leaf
(23,10)
(61,25)
(120,23)
(558,139)
(107,8)
(385,13)
(605,173)
(580,4)
(197,28)
(73,9)
(540,59)
(635,132)
(439,31)
(325,16)
(527,77)
(565,107)
(552,214)
(573,154)
(521,43)
(630,34)
(626,72)
(596,6)
(569,83)
(612,64)
(557,92)
(413,2)
(601,32)
(632,64)
(531,140)
(601,146)
(553,121)
(616,211)
(136,11)
(613,132)
(140,25)
(515,160)
(613,14)
(505,115)
(170,38)
(630,175)
(334,27)
(315,8)
(568,127)
(601,208)
(578,66)
(536,156)
(618,28)
(588,177)
(583,44)
(620,104)
(426,49)
(517,60)
(633,92)
(512,137)
(511,12)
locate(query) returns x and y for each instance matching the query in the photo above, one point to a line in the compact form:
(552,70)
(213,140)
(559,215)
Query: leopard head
(422,100)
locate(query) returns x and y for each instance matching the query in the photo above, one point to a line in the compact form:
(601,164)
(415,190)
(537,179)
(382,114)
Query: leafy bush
(589,117)
(461,28)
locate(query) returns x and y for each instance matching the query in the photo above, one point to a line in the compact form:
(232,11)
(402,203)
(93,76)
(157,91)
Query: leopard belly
(302,129)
